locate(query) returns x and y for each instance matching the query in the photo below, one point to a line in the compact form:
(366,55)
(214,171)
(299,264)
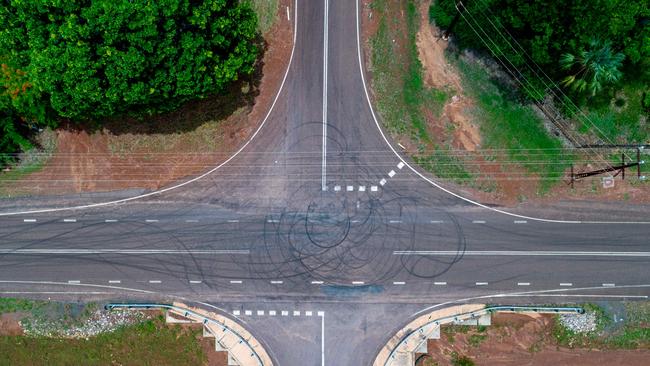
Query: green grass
(266,11)
(147,343)
(507,124)
(445,165)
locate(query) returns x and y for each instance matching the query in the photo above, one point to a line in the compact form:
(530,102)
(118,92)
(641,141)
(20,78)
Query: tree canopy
(544,30)
(86,59)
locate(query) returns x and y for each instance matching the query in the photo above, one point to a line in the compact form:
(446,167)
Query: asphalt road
(319,213)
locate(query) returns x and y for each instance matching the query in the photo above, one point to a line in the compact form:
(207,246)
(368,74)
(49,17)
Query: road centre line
(288,16)
(520,221)
(497,253)
(69,220)
(481,283)
(151,220)
(609,285)
(523,283)
(114,281)
(399,283)
(358,282)
(155,281)
(437,221)
(566,284)
(195,281)
(277,282)
(316,282)
(29,220)
(325,47)
(74,282)
(110,220)
(236,281)
(441,283)
(123,251)
(478,222)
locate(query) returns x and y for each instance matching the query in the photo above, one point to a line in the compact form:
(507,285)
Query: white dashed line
(391,173)
(478,222)
(260,312)
(288,16)
(566,284)
(154,281)
(29,220)
(296,313)
(195,281)
(272,221)
(114,281)
(337,188)
(191,220)
(374,188)
(349,188)
(520,221)
(69,220)
(285,313)
(151,220)
(362,188)
(248,312)
(442,283)
(437,221)
(277,282)
(523,283)
(400,165)
(110,220)
(358,282)
(354,221)
(74,281)
(395,221)
(236,312)
(233,221)
(481,284)
(321,313)
(316,282)
(308,313)
(272,312)
(609,284)
(399,283)
(382,182)
(236,281)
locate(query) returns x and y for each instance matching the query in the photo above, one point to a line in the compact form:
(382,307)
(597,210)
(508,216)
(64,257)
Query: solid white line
(566,284)
(236,281)
(481,284)
(325,46)
(55,292)
(399,283)
(523,283)
(322,337)
(268,113)
(122,251)
(69,220)
(497,253)
(440,283)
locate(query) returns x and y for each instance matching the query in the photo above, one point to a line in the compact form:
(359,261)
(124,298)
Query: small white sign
(608,182)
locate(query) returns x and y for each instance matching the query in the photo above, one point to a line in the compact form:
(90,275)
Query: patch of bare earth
(522,340)
(141,156)
(10,324)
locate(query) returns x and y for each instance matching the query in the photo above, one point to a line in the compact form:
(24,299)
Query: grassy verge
(634,333)
(31,161)
(266,11)
(147,343)
(507,125)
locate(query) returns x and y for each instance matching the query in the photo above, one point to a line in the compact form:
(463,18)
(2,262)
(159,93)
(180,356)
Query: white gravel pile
(100,321)
(579,323)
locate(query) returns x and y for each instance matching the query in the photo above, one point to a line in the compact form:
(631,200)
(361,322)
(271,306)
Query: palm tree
(593,68)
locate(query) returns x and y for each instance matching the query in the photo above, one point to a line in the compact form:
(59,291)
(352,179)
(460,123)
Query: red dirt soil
(522,340)
(84,162)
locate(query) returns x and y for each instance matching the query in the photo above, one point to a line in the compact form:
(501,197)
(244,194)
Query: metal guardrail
(186,312)
(486,310)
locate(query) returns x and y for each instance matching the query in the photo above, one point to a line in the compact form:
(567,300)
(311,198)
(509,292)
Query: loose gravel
(579,323)
(100,321)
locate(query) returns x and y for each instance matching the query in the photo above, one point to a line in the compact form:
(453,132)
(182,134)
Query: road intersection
(318,212)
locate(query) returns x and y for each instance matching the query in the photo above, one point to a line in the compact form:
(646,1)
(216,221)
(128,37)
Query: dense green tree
(87,59)
(592,68)
(529,32)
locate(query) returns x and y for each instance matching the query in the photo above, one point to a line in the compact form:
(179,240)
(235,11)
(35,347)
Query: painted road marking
(358,282)
(236,281)
(29,220)
(233,221)
(154,281)
(523,283)
(395,221)
(296,313)
(260,312)
(399,283)
(288,17)
(321,313)
(566,284)
(273,221)
(374,188)
(308,313)
(151,220)
(478,222)
(191,220)
(441,283)
(325,49)
(350,188)
(195,281)
(122,251)
(497,253)
(362,188)
(277,282)
(382,181)
(114,281)
(481,284)
(69,220)
(272,312)
(248,312)
(74,282)
(391,173)
(285,313)
(110,220)
(236,312)
(316,282)
(520,221)
(437,221)
(337,188)
(400,165)
(609,285)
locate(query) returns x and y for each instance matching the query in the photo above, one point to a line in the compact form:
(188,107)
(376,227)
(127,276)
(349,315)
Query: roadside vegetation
(146,340)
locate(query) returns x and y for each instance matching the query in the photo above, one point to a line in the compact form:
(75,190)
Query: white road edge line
(325,46)
(497,253)
(322,337)
(268,113)
(430,181)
